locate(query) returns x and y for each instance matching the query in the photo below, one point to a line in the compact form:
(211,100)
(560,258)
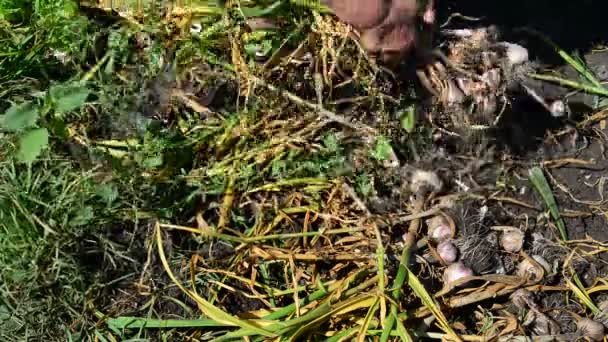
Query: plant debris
(249,171)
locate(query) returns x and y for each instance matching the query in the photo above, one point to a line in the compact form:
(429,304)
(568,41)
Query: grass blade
(579,291)
(542,186)
(428,302)
(342,308)
(593,89)
(576,63)
(126,322)
(403,334)
(207,308)
(365,326)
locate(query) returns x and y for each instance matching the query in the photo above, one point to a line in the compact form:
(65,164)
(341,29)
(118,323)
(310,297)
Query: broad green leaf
(331,142)
(20,116)
(32,143)
(382,149)
(152,162)
(68,97)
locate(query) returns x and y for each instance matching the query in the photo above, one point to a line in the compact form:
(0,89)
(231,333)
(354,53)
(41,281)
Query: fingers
(396,34)
(387,26)
(429,13)
(361,14)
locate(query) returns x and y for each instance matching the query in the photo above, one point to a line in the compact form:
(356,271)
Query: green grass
(47,211)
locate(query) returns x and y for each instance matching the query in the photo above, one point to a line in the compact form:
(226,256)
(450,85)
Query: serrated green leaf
(108,193)
(152,162)
(83,216)
(20,116)
(32,143)
(68,97)
(383,149)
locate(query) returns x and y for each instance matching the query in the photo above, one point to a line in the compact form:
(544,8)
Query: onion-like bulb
(456,272)
(448,252)
(591,329)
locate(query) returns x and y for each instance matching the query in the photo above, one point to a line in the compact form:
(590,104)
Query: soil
(524,134)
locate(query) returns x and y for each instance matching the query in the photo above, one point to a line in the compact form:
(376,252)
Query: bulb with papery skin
(454,94)
(441,233)
(455,272)
(591,329)
(602,315)
(448,252)
(527,270)
(521,298)
(516,54)
(439,229)
(512,240)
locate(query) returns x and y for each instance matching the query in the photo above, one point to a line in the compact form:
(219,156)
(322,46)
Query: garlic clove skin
(459,33)
(453,95)
(456,272)
(515,54)
(521,298)
(544,263)
(448,252)
(439,229)
(441,233)
(602,315)
(465,85)
(527,270)
(591,329)
(422,179)
(512,240)
(492,78)
(558,108)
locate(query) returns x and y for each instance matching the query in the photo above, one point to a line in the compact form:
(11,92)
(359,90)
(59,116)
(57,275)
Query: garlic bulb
(455,272)
(465,85)
(602,315)
(492,78)
(515,54)
(521,298)
(441,233)
(542,262)
(512,240)
(448,252)
(557,108)
(439,229)
(453,94)
(488,105)
(529,271)
(425,179)
(591,329)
